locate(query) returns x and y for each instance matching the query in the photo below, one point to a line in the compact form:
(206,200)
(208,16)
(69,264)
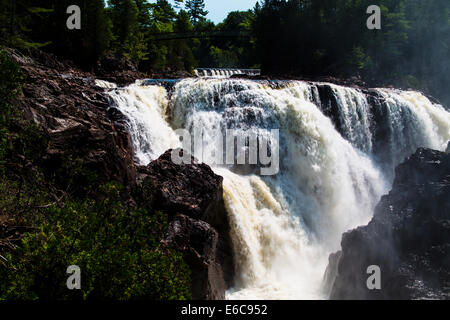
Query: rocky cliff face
(117,69)
(72,112)
(192,196)
(408,238)
(74,115)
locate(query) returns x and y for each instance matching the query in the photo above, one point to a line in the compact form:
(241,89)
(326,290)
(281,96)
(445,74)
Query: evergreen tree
(163,20)
(144,16)
(178,4)
(96,31)
(163,12)
(183,58)
(42,24)
(16,17)
(128,38)
(196,10)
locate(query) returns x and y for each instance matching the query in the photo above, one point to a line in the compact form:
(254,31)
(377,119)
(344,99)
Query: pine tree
(163,21)
(196,10)
(16,17)
(128,38)
(144,17)
(178,4)
(182,56)
(163,12)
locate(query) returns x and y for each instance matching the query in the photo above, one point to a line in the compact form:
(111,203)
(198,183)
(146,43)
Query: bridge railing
(226,72)
(198,35)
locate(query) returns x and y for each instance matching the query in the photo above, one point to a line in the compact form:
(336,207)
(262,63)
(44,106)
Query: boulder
(197,240)
(192,196)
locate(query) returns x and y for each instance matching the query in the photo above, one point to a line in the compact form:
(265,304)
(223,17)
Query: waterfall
(354,116)
(332,171)
(145,108)
(409,120)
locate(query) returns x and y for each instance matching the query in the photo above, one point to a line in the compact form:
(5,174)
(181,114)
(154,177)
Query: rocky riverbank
(73,114)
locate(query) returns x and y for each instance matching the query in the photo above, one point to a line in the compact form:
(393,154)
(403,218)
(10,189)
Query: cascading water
(283,227)
(409,121)
(354,116)
(145,109)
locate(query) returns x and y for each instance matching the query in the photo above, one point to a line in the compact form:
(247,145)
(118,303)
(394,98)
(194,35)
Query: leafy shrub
(117,249)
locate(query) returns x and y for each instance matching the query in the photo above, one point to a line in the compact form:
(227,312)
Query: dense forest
(302,38)
(128,27)
(331,38)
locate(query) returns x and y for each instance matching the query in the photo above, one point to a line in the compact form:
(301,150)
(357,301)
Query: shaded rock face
(118,69)
(328,104)
(408,237)
(72,112)
(192,197)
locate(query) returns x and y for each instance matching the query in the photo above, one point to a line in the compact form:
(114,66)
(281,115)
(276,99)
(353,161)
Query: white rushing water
(283,227)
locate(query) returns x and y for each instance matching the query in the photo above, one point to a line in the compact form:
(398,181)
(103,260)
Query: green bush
(117,249)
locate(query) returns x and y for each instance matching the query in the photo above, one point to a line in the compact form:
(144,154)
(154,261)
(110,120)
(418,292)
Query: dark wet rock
(187,188)
(331,272)
(192,196)
(250,77)
(117,69)
(72,112)
(197,240)
(408,237)
(328,104)
(168,84)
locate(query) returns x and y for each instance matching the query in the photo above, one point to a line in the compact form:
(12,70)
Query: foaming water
(144,109)
(354,112)
(283,227)
(415,120)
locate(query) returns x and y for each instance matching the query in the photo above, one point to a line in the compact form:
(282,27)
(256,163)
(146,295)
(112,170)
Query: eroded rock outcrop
(117,69)
(408,237)
(72,113)
(191,194)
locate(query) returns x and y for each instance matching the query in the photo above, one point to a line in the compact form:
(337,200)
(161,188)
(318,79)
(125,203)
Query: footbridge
(225,72)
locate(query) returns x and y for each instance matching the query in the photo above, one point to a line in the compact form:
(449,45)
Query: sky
(219,9)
